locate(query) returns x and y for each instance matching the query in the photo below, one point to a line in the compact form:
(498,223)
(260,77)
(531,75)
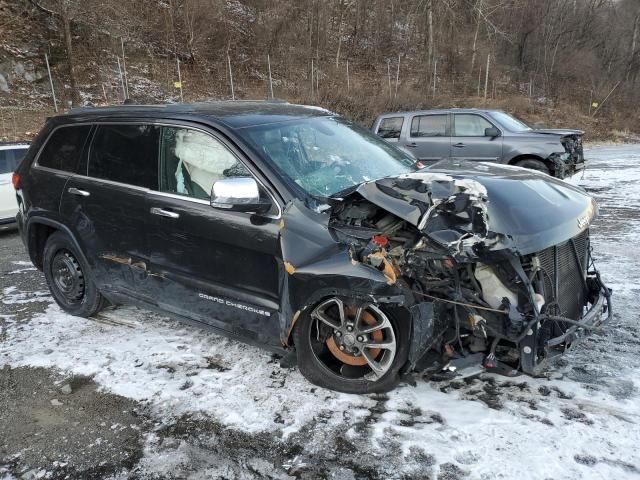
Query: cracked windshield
(326,155)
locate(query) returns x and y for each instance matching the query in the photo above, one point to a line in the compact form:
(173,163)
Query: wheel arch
(531,156)
(39,229)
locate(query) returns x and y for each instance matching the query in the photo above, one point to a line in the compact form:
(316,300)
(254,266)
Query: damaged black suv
(289,227)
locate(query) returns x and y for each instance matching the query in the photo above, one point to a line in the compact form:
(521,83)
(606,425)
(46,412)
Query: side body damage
(479,272)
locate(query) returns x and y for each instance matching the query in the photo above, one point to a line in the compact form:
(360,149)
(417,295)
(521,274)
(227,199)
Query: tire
(318,362)
(69,278)
(534,164)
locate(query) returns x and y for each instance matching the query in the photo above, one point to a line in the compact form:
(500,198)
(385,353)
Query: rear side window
(9,159)
(429,126)
(64,148)
(126,154)
(390,127)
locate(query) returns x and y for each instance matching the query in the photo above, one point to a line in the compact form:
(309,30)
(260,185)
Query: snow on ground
(582,421)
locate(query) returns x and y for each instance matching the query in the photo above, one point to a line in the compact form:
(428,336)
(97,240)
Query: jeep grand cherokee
(290,227)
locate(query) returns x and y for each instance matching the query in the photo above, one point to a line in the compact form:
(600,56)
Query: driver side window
(191,161)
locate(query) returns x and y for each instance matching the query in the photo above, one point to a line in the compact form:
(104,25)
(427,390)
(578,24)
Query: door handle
(411,145)
(164,213)
(5,182)
(458,145)
(76,191)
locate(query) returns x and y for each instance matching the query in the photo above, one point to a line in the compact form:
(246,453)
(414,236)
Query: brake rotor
(347,358)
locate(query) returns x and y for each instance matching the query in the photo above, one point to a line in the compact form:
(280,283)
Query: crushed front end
(506,290)
(572,159)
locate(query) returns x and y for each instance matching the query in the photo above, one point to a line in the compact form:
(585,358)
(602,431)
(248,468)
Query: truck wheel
(69,278)
(351,349)
(534,164)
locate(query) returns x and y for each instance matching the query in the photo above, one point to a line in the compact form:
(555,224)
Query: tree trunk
(429,39)
(634,46)
(66,28)
(340,33)
(474,49)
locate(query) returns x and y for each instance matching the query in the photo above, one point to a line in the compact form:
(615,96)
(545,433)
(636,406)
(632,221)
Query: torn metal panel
(470,240)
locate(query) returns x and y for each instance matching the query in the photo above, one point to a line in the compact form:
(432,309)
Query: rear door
(429,137)
(468,141)
(106,205)
(9,159)
(215,266)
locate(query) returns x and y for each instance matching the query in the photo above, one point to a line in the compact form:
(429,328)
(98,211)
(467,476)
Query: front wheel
(69,278)
(349,348)
(534,164)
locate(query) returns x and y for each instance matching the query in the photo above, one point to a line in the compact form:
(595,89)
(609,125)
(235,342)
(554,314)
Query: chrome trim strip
(53,170)
(179,197)
(111,182)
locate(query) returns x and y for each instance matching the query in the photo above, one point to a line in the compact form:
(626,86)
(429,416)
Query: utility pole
(124,92)
(124,68)
(486,77)
(435,76)
(397,76)
(233,95)
(348,82)
(179,80)
(53,92)
(270,79)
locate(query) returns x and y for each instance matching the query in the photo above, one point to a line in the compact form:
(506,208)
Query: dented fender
(316,265)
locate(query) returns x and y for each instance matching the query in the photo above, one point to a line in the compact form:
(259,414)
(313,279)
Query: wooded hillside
(569,62)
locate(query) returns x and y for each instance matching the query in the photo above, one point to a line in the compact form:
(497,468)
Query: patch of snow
(11,295)
(177,369)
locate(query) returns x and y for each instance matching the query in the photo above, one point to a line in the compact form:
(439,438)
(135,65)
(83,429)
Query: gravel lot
(132,394)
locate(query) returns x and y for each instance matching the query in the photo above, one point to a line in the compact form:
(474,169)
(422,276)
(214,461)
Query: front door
(214,266)
(469,141)
(429,137)
(106,207)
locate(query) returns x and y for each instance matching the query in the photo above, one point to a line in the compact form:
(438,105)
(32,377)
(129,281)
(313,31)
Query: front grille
(565,268)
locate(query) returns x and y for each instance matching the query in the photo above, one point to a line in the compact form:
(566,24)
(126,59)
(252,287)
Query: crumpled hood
(475,206)
(557,131)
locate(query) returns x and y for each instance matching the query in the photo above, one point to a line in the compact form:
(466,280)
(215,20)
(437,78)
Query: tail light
(15,180)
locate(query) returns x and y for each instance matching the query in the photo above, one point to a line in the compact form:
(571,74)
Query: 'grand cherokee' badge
(583,221)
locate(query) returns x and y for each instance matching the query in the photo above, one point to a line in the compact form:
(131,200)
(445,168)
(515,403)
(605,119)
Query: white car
(10,156)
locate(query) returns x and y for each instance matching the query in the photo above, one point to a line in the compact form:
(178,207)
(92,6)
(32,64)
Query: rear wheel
(534,164)
(69,278)
(351,349)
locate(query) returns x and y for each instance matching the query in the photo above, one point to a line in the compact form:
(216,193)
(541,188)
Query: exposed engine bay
(495,301)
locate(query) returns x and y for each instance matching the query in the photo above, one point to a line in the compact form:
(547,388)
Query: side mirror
(491,132)
(238,194)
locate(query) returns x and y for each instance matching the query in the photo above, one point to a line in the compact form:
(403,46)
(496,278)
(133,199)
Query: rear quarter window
(64,148)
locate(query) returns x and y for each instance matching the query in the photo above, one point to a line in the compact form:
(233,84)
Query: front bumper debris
(566,167)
